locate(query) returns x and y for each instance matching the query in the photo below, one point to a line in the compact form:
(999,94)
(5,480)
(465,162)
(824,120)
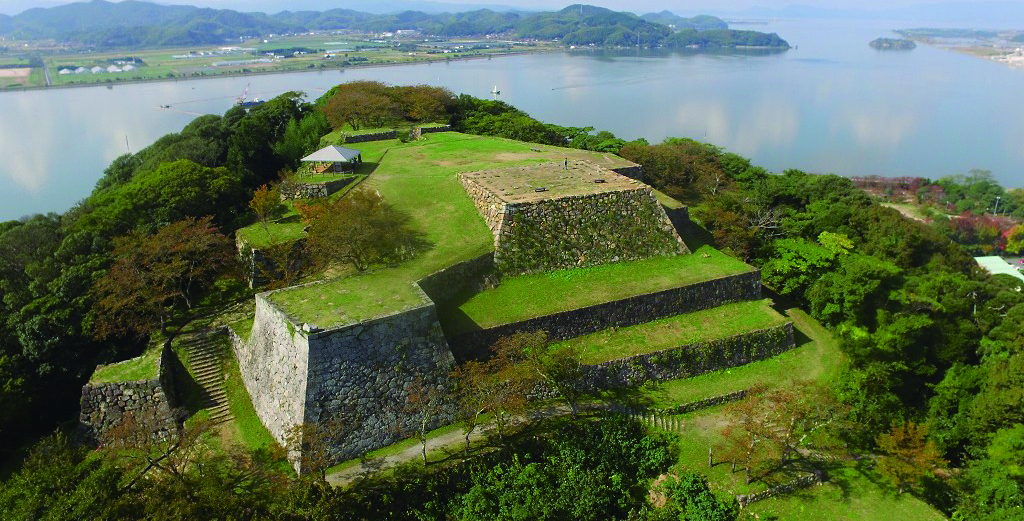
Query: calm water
(831,105)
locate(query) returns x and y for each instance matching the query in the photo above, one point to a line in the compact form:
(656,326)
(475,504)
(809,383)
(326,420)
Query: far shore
(286,71)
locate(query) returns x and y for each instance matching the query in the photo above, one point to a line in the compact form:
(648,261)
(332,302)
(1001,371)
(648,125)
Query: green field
(680,330)
(539,294)
(162,63)
(142,367)
(420,178)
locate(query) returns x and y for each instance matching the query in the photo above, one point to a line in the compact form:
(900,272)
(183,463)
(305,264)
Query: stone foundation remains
(313,190)
(559,216)
(361,374)
(134,412)
(620,313)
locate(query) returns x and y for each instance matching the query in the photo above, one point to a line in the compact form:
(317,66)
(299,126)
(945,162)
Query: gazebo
(334,159)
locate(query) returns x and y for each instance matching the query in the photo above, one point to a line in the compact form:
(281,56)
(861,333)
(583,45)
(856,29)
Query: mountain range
(133,23)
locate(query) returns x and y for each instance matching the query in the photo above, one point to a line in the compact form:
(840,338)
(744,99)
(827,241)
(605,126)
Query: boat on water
(244,102)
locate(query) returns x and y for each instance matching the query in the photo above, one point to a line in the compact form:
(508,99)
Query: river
(831,104)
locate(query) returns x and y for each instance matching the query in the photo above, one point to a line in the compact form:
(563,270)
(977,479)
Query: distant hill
(697,23)
(892,44)
(141,24)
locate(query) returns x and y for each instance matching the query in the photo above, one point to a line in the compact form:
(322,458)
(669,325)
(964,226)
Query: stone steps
(204,354)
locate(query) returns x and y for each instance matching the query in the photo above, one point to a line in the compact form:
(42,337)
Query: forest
(934,383)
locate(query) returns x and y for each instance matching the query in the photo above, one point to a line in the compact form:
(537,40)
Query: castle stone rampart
(365,372)
(550,217)
(143,408)
(274,364)
(620,313)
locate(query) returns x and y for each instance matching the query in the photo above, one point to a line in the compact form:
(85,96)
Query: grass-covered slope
(538,294)
(420,178)
(668,333)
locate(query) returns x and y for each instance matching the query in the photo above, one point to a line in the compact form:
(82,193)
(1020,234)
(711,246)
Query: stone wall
(621,313)
(313,190)
(680,217)
(392,134)
(585,230)
(137,410)
(365,373)
(361,374)
(632,172)
(691,360)
(274,367)
(814,478)
(377,136)
(464,278)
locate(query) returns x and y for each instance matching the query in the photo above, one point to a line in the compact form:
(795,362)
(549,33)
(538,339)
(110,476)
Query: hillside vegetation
(141,24)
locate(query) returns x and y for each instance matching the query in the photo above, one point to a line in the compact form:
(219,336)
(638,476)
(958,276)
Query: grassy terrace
(539,294)
(142,367)
(420,178)
(680,330)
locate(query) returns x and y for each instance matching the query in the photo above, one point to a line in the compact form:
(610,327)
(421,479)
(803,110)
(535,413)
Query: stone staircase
(205,352)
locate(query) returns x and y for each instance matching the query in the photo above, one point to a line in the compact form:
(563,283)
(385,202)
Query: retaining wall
(274,365)
(136,411)
(377,136)
(464,278)
(365,373)
(313,190)
(632,172)
(361,374)
(586,230)
(621,313)
(691,360)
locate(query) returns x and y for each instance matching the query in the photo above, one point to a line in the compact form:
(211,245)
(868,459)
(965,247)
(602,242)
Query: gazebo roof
(333,154)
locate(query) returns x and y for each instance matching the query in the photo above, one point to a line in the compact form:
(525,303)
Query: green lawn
(680,330)
(143,367)
(817,357)
(420,178)
(313,179)
(539,294)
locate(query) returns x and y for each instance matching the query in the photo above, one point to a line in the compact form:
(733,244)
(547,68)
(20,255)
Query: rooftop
(997,265)
(538,182)
(334,154)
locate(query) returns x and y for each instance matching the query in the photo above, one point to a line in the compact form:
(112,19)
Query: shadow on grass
(695,236)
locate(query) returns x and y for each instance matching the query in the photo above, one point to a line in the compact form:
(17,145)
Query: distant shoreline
(269,72)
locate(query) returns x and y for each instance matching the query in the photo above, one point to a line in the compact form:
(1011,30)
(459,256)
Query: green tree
(908,457)
(360,229)
(264,202)
(154,272)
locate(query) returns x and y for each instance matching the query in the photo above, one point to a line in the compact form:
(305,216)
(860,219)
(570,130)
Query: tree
(908,456)
(314,446)
(426,400)
(1015,239)
(558,367)
(475,387)
(152,273)
(264,202)
(776,427)
(360,229)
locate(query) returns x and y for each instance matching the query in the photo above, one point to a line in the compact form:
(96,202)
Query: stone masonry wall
(377,136)
(314,190)
(364,374)
(274,368)
(692,360)
(588,230)
(258,265)
(148,405)
(467,277)
(632,172)
(621,313)
(491,208)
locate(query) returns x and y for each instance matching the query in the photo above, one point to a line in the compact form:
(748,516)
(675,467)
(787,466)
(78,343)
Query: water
(831,105)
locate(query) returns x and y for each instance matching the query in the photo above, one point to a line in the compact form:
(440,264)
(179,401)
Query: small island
(892,44)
